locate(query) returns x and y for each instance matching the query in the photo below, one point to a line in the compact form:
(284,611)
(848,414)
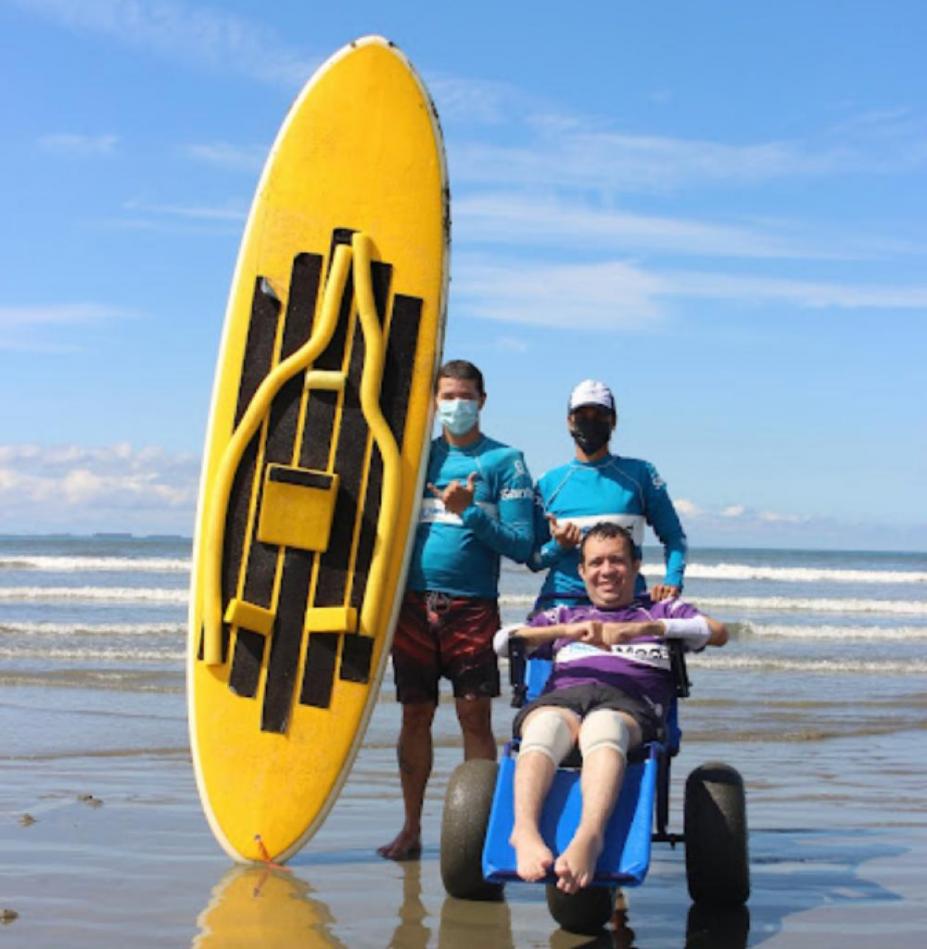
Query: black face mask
(591,434)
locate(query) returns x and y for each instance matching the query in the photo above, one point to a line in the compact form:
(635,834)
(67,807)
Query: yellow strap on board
(247,427)
(371,381)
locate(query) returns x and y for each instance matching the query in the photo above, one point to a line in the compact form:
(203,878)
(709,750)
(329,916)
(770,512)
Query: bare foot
(575,867)
(533,858)
(407,845)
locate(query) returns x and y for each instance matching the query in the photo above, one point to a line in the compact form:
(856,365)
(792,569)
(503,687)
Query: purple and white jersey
(641,667)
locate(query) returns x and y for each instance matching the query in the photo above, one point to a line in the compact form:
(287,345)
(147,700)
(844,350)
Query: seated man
(610,688)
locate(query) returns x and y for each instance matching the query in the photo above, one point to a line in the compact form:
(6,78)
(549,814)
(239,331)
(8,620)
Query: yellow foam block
(297,507)
(249,616)
(331,619)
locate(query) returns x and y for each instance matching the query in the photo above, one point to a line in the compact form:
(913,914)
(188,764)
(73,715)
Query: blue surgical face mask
(458,416)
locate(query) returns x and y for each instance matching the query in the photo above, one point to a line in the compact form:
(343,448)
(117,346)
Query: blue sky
(716,207)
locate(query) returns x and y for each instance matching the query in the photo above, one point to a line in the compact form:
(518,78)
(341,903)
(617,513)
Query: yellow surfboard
(316,449)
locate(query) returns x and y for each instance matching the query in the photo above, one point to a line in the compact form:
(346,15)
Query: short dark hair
(605,530)
(461,369)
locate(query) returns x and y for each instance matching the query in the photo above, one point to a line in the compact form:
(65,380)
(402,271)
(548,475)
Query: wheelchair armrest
(517,663)
(678,668)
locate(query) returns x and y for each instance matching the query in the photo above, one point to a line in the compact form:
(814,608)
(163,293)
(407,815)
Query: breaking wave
(99,594)
(737,571)
(814,605)
(97,564)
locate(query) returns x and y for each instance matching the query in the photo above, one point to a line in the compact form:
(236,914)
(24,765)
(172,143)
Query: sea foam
(96,564)
(809,666)
(99,594)
(813,605)
(739,571)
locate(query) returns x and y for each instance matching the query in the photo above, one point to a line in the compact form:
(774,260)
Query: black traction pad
(281,435)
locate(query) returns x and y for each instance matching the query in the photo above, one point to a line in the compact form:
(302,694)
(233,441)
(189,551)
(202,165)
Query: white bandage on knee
(604,728)
(548,733)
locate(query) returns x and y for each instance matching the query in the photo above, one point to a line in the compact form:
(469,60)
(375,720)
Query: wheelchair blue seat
(626,855)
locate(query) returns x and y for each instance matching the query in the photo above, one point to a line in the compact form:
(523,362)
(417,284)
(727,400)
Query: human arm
(552,538)
(536,636)
(662,517)
(511,533)
(663,591)
(694,631)
(719,633)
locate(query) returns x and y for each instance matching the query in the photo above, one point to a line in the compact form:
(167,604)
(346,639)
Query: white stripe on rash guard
(632,522)
(646,653)
(433,511)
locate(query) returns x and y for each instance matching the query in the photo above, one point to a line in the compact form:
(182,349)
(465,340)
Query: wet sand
(838,847)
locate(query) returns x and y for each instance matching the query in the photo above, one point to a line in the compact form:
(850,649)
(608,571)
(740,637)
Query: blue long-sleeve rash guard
(625,491)
(459,554)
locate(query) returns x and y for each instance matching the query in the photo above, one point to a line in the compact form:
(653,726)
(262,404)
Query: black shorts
(439,635)
(583,699)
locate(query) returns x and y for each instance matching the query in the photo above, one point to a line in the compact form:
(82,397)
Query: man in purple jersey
(609,690)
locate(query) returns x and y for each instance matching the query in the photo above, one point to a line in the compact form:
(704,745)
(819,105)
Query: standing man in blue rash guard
(478,507)
(599,486)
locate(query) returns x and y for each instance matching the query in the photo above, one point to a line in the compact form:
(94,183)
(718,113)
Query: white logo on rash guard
(516,494)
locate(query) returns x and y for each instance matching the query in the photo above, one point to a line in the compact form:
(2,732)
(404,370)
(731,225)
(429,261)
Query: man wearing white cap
(598,486)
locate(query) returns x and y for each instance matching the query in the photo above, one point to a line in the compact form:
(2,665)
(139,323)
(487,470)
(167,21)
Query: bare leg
(602,774)
(414,752)
(475,717)
(534,774)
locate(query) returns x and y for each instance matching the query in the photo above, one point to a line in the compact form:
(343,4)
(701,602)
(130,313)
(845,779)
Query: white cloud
(24,328)
(248,158)
(578,151)
(687,508)
(200,35)
(110,487)
(803,293)
(614,162)
(58,314)
(734,510)
(190,212)
(73,144)
(741,515)
(588,296)
(531,219)
(512,344)
(483,101)
(741,524)
(775,517)
(620,294)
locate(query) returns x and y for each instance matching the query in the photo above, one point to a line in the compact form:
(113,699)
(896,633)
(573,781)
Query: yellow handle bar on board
(371,381)
(247,427)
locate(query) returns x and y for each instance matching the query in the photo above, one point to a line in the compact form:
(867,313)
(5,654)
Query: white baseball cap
(591,392)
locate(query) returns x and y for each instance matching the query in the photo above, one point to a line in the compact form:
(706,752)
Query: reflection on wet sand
(725,928)
(463,923)
(466,923)
(411,930)
(256,906)
(618,935)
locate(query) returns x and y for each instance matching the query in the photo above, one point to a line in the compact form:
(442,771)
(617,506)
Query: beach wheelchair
(477,859)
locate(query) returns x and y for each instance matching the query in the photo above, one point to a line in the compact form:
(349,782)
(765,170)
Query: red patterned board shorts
(439,635)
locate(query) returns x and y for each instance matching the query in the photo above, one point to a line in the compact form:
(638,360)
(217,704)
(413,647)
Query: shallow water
(824,712)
